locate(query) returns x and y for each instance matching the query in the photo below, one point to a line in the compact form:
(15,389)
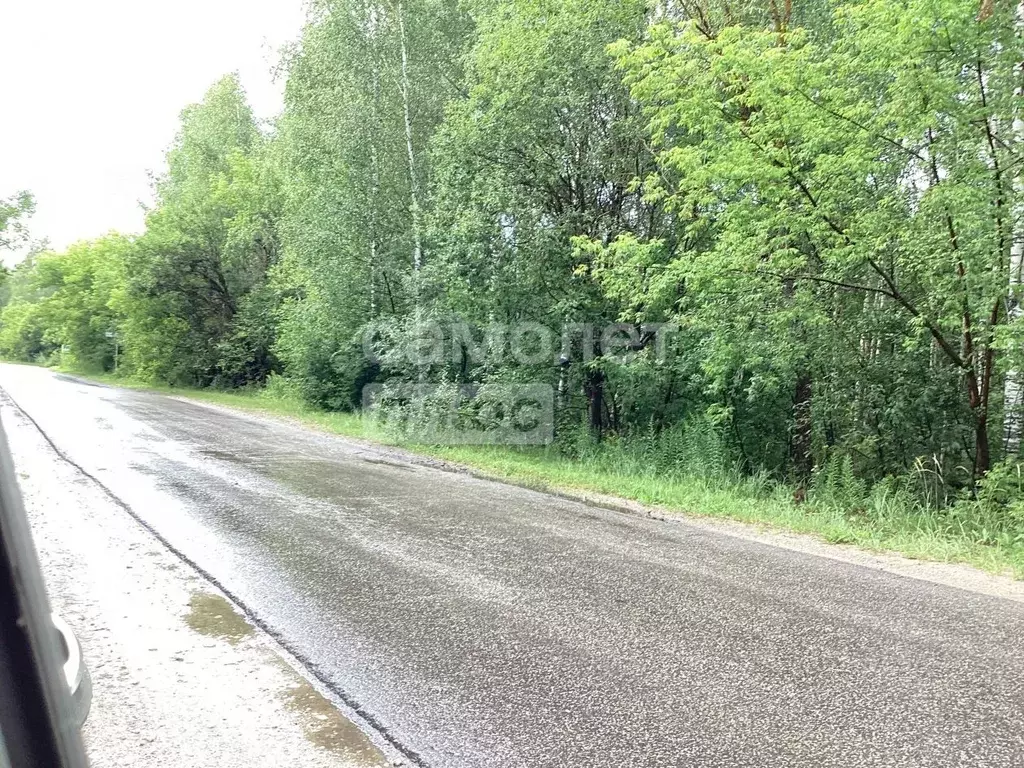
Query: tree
(200,267)
(13,212)
(366,90)
(541,148)
(848,182)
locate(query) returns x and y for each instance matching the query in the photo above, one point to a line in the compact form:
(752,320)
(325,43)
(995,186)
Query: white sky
(93,89)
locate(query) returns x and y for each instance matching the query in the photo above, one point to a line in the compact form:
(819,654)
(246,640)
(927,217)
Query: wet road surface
(478,624)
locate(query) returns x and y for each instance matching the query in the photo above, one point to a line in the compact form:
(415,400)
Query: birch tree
(1013,389)
(366,90)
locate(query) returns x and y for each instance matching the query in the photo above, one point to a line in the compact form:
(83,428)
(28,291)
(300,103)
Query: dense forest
(823,199)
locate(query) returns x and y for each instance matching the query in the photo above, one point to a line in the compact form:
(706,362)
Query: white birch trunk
(374,192)
(417,253)
(1013,387)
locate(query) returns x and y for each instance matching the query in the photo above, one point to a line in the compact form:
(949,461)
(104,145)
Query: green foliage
(366,90)
(21,333)
(837,485)
(844,203)
(62,306)
(13,212)
(695,448)
(196,305)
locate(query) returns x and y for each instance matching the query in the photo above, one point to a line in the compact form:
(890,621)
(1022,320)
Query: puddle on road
(325,726)
(388,463)
(228,456)
(322,723)
(214,616)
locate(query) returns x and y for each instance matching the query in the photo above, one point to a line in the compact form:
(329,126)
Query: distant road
(479,625)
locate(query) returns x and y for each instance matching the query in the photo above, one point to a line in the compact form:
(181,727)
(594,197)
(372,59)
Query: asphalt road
(481,625)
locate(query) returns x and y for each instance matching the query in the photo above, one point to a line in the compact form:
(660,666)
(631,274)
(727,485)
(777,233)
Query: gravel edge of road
(289,664)
(957,575)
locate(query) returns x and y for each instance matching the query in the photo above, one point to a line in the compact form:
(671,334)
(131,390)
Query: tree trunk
(978,398)
(1013,387)
(1013,401)
(800,454)
(983,458)
(375,192)
(595,401)
(417,253)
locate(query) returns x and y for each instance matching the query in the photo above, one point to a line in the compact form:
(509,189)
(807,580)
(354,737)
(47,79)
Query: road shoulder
(181,678)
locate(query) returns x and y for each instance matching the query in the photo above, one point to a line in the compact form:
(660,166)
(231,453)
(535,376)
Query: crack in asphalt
(368,720)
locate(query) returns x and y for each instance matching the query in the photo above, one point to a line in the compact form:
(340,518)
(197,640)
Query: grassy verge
(886,526)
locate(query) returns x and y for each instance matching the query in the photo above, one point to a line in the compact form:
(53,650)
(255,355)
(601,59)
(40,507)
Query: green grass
(885,523)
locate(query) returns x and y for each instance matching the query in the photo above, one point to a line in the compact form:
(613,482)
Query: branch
(894,291)
(826,280)
(935,331)
(862,127)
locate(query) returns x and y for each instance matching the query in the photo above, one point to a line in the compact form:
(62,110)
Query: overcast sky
(93,89)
